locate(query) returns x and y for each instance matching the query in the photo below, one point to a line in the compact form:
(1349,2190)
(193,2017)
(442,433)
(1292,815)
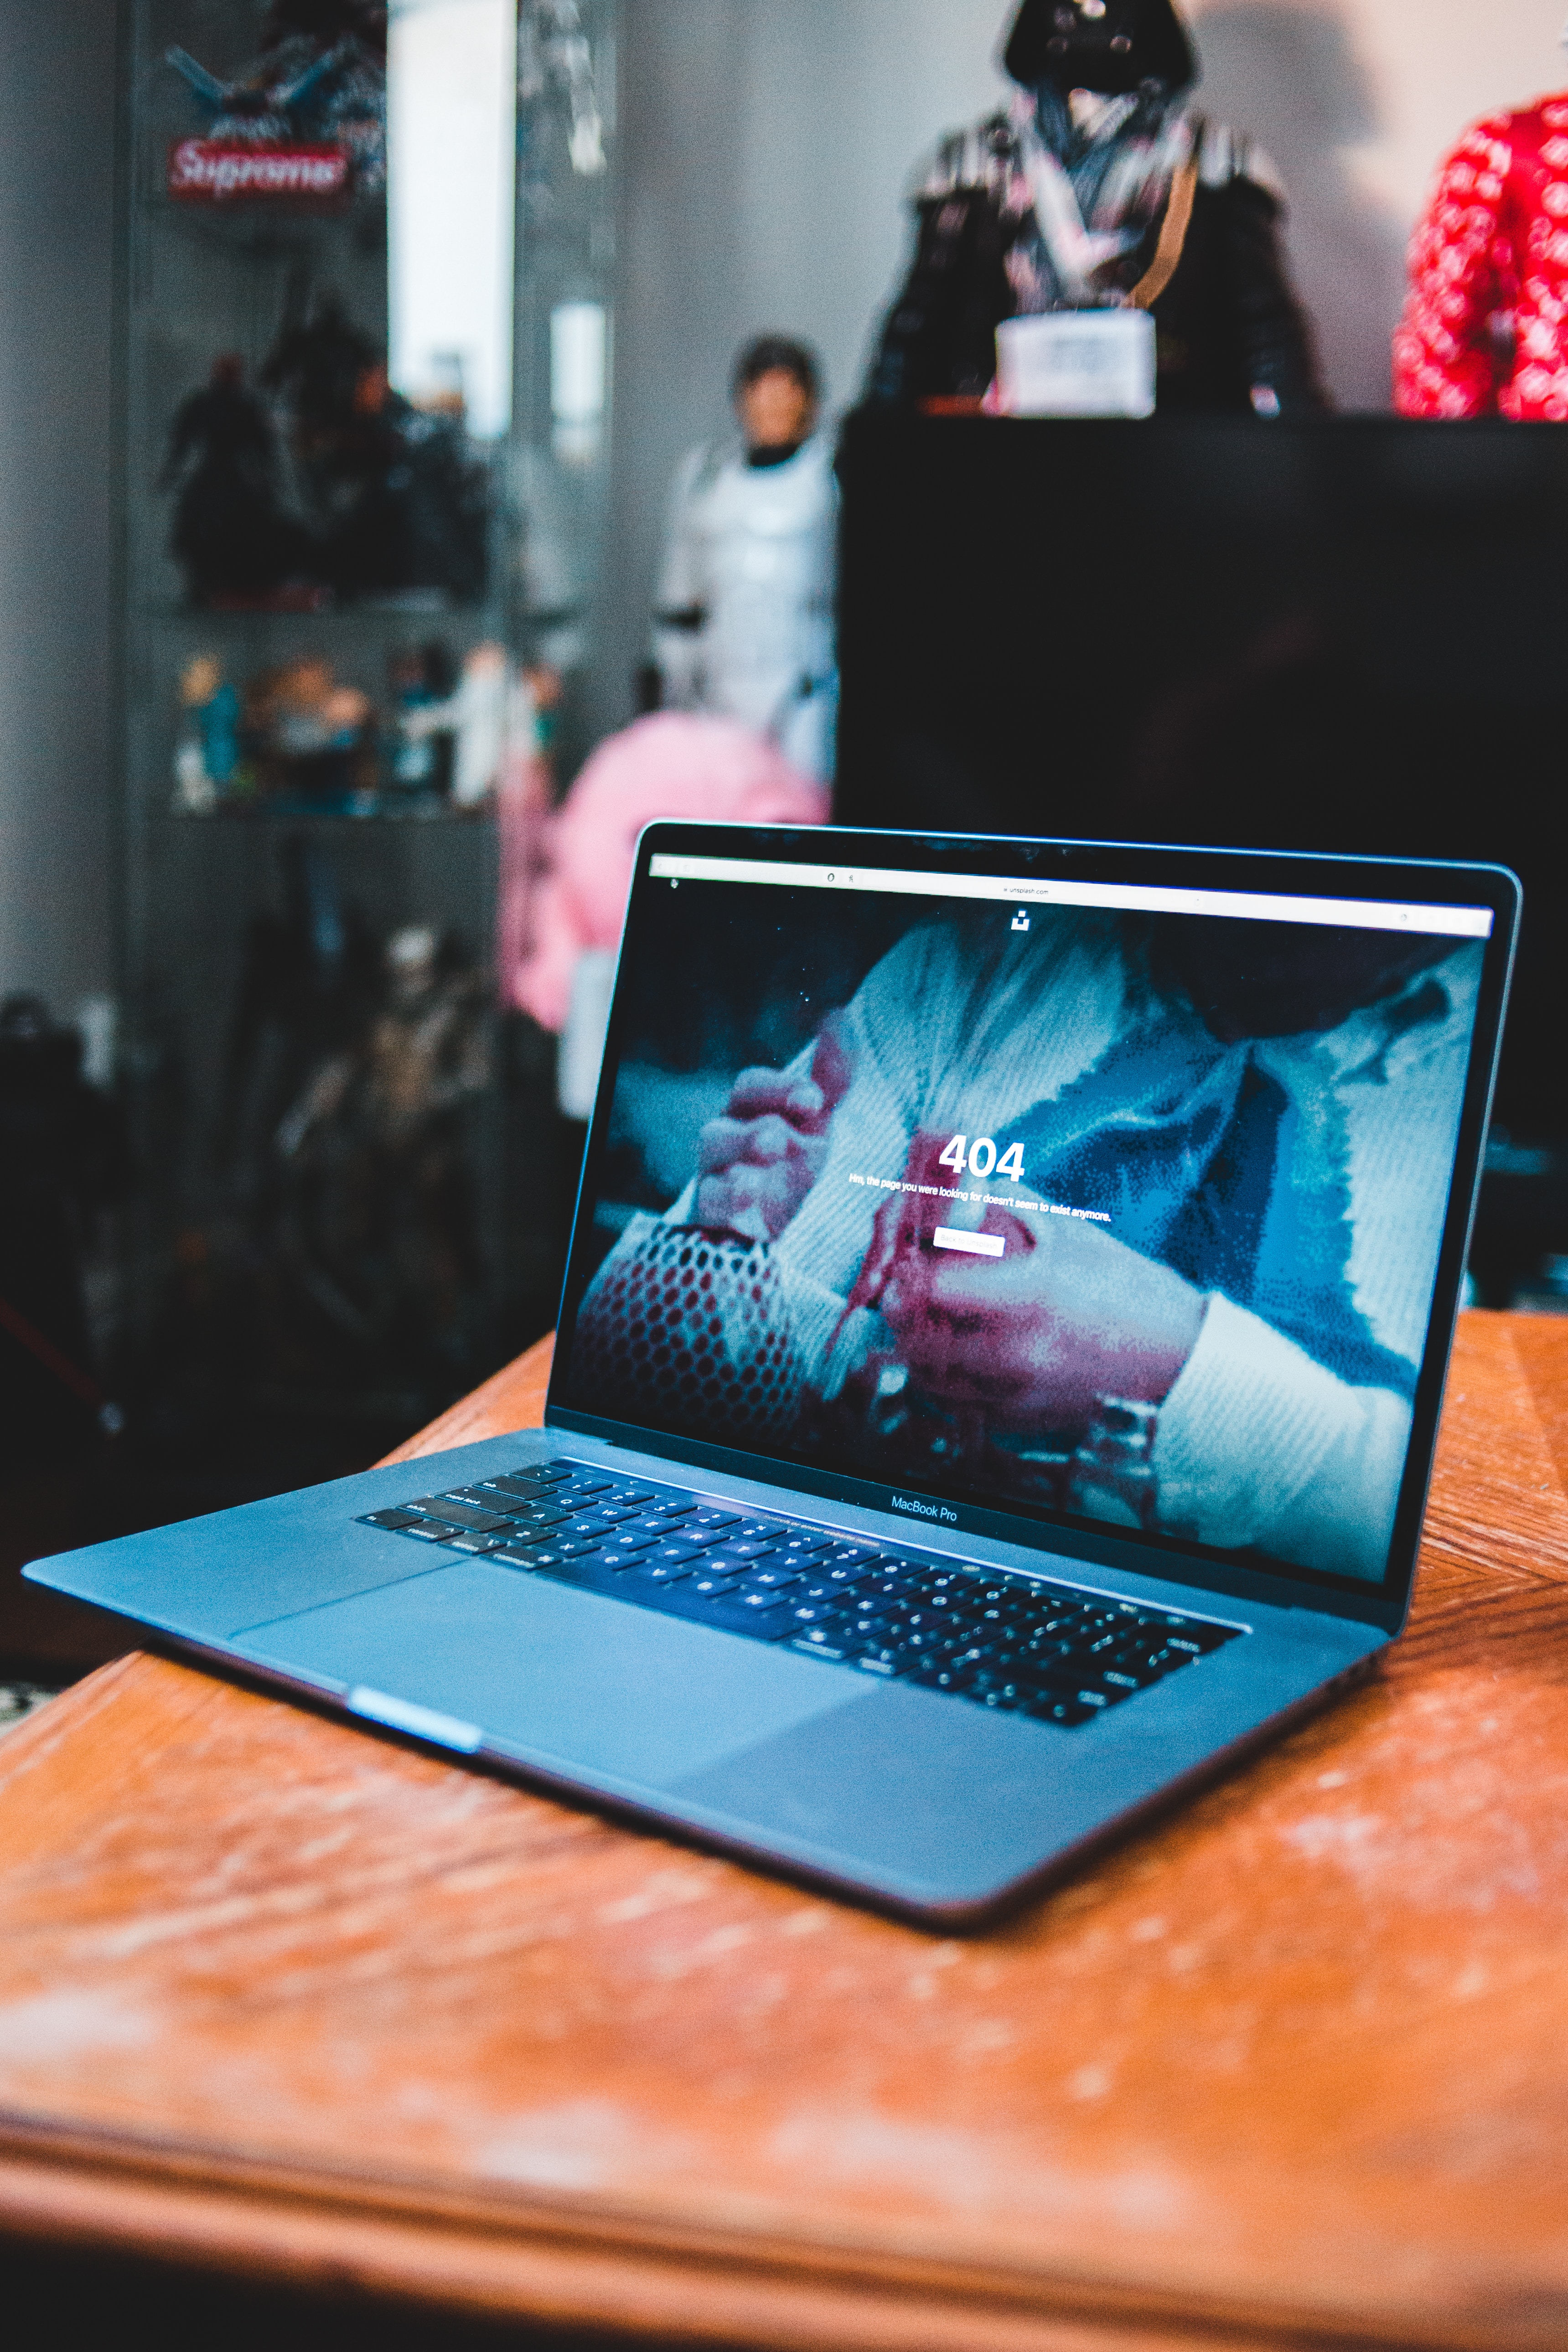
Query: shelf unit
(208,1279)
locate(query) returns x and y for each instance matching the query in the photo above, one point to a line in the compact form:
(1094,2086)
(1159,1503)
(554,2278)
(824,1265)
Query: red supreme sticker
(231,171)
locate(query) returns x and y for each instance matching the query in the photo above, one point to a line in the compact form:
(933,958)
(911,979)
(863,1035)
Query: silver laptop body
(998,1371)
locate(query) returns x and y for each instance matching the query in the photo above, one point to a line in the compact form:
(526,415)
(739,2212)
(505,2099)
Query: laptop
(998,1369)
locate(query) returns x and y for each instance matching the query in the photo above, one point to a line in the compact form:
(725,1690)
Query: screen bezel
(1286,874)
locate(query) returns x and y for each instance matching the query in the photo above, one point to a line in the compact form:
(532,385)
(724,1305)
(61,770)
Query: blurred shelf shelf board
(480,816)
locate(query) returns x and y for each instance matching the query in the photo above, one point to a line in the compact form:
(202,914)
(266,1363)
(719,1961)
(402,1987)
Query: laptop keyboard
(1045,1650)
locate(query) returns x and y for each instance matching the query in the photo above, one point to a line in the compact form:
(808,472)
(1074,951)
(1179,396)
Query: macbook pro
(998,1370)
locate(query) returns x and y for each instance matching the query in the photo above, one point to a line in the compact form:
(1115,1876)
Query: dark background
(1342,635)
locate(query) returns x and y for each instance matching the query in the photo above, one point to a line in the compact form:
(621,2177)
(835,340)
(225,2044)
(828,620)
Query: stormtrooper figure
(744,627)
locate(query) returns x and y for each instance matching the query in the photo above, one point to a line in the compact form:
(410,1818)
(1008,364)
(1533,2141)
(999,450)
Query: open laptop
(998,1371)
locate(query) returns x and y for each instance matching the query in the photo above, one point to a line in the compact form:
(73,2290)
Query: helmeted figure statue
(1103,188)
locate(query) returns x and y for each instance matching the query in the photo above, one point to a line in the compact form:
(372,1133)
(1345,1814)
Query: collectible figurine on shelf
(312,737)
(1485,331)
(206,760)
(1102,193)
(321,76)
(309,982)
(231,536)
(375,1222)
(555,53)
(401,502)
(744,624)
(449,726)
(420,756)
(410,502)
(63,1160)
(317,359)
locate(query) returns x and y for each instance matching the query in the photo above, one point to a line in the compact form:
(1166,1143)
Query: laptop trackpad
(560,1678)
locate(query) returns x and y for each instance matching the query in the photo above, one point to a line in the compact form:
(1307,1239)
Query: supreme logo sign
(228,172)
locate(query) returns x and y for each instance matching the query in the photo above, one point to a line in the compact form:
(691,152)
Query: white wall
(57,139)
(1356,101)
(768,146)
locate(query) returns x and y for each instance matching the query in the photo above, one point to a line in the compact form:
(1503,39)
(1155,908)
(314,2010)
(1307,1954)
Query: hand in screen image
(1034,1338)
(758,1162)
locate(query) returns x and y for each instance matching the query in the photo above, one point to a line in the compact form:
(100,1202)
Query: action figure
(402,503)
(309,736)
(231,535)
(206,758)
(376,1226)
(555,54)
(321,76)
(1485,331)
(63,1160)
(412,501)
(449,726)
(315,364)
(744,624)
(1103,189)
(309,982)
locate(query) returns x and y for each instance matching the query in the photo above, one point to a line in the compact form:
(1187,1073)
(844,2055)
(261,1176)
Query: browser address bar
(1247,905)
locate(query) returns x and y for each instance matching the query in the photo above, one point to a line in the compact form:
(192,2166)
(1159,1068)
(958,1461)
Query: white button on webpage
(977,1245)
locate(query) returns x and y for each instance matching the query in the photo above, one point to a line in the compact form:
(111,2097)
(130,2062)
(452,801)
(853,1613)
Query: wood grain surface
(283,1998)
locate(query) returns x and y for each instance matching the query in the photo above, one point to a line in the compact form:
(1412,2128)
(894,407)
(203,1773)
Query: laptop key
(525,1482)
(459,1515)
(736,1613)
(393,1521)
(542,1557)
(710,1583)
(1068,1711)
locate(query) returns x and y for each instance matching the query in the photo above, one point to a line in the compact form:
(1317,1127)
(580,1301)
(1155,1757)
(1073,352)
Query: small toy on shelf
(206,758)
(305,122)
(449,733)
(300,738)
(400,503)
(236,545)
(371,1198)
(388,502)
(313,739)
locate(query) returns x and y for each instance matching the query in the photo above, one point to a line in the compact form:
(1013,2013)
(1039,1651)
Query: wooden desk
(287,2000)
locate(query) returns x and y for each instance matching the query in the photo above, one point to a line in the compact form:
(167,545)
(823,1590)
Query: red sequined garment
(1484,333)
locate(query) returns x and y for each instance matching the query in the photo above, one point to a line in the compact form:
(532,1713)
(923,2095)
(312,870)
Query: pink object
(672,764)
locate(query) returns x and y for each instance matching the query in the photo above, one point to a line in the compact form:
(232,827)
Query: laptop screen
(1119,1206)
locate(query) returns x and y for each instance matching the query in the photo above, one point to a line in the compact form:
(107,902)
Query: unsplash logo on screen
(925,1510)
